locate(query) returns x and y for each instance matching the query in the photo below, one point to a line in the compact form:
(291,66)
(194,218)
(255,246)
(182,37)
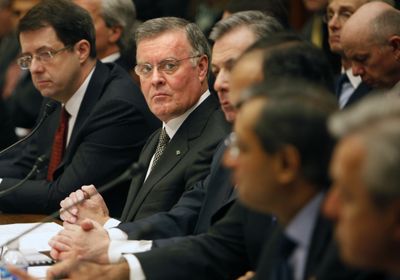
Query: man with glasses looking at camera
(173,63)
(99,122)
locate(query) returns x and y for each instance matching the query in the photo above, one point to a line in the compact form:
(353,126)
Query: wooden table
(23,218)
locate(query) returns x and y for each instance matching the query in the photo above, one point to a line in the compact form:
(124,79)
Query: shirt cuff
(118,248)
(111,223)
(135,268)
(116,234)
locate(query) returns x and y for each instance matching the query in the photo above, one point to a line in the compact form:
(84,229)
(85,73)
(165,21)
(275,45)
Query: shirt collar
(73,104)
(355,81)
(111,58)
(172,126)
(301,227)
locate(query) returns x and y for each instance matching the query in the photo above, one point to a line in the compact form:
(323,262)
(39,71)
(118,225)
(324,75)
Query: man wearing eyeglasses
(100,122)
(173,58)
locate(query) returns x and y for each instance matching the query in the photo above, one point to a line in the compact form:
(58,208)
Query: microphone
(39,164)
(132,170)
(48,110)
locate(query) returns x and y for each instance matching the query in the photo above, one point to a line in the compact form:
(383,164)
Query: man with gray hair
(231,38)
(371,42)
(173,57)
(113,21)
(365,198)
(208,200)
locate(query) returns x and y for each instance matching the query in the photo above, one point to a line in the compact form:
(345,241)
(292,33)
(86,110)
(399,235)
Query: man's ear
(115,34)
(203,67)
(83,49)
(289,164)
(394,42)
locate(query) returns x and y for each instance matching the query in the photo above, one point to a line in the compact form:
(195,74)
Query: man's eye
(44,55)
(169,66)
(146,69)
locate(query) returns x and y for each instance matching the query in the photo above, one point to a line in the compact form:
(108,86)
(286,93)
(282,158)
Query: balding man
(371,41)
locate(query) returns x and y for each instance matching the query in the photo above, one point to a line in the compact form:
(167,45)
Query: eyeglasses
(341,16)
(25,61)
(167,66)
(232,144)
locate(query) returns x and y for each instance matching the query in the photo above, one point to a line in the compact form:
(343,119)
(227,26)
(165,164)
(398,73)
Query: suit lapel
(93,93)
(177,148)
(361,91)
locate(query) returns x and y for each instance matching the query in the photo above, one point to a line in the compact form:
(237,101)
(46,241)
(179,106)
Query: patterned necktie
(162,144)
(58,148)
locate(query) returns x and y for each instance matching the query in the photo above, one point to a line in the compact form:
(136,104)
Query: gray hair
(376,121)
(157,26)
(258,22)
(386,25)
(120,13)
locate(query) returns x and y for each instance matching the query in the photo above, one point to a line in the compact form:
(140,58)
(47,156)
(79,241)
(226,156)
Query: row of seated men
(279,153)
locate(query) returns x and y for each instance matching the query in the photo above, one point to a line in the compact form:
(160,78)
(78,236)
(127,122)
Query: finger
(68,217)
(61,270)
(68,203)
(87,225)
(54,254)
(90,190)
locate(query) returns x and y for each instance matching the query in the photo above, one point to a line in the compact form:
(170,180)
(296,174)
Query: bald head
(371,42)
(362,24)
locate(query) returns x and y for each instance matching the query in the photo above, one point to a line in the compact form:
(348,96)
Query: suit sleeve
(218,254)
(180,220)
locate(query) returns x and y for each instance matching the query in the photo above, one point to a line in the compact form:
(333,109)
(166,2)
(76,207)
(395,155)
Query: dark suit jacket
(112,126)
(186,160)
(7,135)
(323,261)
(229,249)
(361,91)
(234,246)
(195,211)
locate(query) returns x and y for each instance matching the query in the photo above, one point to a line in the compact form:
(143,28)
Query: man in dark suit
(370,37)
(233,245)
(174,82)
(349,88)
(104,120)
(207,201)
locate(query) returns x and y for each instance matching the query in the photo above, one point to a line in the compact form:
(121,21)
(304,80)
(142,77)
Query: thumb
(87,225)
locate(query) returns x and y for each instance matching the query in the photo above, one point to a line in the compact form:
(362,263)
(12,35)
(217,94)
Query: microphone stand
(50,107)
(40,162)
(128,174)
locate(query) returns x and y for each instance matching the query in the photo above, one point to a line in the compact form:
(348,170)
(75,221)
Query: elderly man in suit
(364,199)
(100,122)
(174,81)
(207,201)
(371,42)
(349,88)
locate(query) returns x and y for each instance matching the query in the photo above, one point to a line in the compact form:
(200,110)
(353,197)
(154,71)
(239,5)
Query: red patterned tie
(58,148)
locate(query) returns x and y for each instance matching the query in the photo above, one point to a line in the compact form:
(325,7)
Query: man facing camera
(100,122)
(173,59)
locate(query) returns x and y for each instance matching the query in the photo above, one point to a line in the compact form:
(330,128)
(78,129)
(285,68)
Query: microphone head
(50,107)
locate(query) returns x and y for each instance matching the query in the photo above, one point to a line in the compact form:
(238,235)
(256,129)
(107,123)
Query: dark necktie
(283,270)
(162,144)
(58,148)
(340,82)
